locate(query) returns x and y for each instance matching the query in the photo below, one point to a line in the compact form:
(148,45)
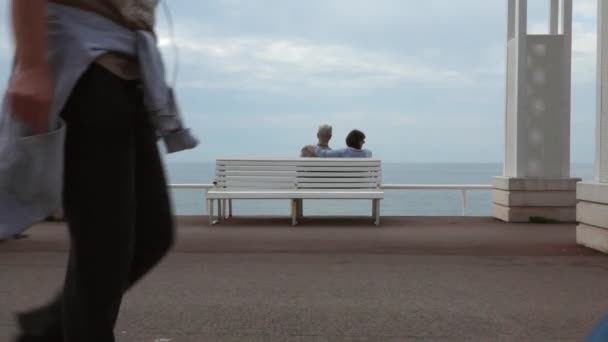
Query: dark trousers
(116,206)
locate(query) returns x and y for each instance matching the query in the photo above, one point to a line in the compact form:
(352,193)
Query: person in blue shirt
(354,142)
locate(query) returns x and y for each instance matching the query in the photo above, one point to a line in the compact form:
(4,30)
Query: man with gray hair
(324,136)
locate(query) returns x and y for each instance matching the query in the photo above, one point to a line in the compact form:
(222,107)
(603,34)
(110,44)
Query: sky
(425,80)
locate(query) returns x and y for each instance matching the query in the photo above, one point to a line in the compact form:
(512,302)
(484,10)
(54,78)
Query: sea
(395,203)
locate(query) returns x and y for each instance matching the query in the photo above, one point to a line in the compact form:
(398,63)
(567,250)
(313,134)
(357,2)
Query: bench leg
(373,210)
(220,210)
(294,212)
(210,205)
(224,202)
(300,207)
(206,206)
(230,208)
(376,210)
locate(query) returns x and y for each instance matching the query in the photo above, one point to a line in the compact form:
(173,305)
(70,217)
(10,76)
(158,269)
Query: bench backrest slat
(300,161)
(298,173)
(278,168)
(284,174)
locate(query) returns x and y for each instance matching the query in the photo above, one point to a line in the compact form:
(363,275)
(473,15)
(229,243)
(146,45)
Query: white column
(601,159)
(554,17)
(592,209)
(516,41)
(536,180)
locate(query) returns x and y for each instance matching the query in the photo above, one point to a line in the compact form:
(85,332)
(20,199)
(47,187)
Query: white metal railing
(463,188)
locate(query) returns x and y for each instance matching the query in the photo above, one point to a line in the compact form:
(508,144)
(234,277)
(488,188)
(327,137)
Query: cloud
(277,120)
(275,63)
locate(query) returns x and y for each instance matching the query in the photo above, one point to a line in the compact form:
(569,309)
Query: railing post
(464,201)
(206,202)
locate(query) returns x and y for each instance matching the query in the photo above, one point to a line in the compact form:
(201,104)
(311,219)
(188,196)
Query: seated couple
(354,142)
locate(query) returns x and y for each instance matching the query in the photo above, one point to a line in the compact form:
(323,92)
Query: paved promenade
(412,279)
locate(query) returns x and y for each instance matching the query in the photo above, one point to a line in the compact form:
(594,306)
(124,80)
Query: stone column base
(534,199)
(592,215)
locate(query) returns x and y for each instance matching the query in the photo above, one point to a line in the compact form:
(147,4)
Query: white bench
(296,180)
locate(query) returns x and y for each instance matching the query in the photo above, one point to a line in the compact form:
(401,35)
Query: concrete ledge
(592,237)
(594,214)
(523,214)
(592,192)
(535,184)
(534,198)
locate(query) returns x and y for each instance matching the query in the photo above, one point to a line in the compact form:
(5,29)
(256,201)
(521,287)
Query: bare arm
(310,150)
(30,28)
(30,91)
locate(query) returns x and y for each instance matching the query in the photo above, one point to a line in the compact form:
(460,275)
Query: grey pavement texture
(412,279)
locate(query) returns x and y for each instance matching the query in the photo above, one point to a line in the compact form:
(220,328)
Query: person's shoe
(24,322)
